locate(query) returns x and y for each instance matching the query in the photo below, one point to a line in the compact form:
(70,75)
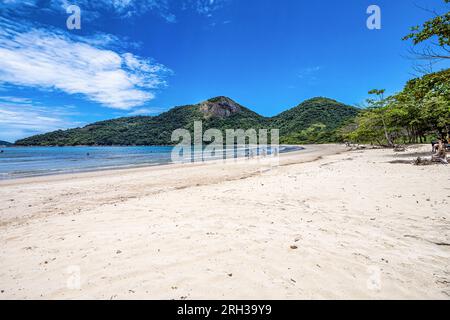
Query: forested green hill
(313,121)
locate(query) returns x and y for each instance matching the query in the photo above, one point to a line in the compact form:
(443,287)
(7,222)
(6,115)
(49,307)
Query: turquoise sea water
(18,162)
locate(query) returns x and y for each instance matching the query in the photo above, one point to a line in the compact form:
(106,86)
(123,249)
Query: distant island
(5,143)
(314,121)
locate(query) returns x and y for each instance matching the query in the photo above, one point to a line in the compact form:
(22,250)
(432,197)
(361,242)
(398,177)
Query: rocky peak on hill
(220,107)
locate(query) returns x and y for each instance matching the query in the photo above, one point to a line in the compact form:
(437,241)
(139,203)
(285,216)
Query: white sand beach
(326,224)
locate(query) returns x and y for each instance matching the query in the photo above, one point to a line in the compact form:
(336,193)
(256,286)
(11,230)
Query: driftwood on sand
(353,147)
(399,148)
(426,162)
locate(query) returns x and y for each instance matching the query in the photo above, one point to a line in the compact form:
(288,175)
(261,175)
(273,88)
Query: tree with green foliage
(425,103)
(374,124)
(379,109)
(422,109)
(435,28)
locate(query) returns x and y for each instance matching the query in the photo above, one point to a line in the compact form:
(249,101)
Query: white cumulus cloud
(50,59)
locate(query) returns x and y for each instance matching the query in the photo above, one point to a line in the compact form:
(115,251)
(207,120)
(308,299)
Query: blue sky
(136,57)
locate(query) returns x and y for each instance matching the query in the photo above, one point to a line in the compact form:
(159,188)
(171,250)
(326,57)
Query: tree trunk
(388,139)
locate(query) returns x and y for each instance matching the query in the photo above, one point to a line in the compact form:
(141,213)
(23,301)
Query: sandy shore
(324,224)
